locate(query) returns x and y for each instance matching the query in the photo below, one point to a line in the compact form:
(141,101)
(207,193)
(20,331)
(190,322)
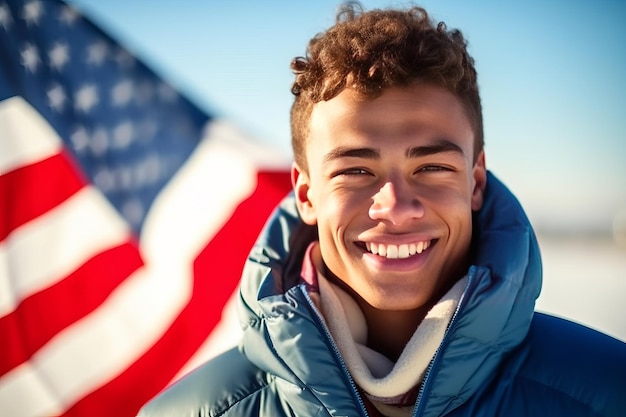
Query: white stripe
(224,336)
(28,395)
(25,136)
(98,348)
(43,251)
(262,156)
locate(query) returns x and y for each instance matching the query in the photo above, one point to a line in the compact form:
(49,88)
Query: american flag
(126,215)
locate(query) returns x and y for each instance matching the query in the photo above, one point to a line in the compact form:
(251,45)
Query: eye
(354,172)
(434,168)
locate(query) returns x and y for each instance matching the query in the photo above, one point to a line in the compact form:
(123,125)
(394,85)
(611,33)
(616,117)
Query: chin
(395,302)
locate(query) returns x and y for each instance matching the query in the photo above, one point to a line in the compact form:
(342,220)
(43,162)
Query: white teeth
(395,251)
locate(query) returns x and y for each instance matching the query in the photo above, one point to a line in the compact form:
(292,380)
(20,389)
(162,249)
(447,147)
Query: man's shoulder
(572,348)
(213,387)
(568,339)
(563,358)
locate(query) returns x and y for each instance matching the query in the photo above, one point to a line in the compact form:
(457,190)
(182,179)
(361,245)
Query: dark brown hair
(371,51)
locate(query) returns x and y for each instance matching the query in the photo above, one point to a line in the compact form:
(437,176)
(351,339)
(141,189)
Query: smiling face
(391,185)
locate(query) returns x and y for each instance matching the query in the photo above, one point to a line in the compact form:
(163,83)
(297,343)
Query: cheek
(338,201)
(335,217)
(454,209)
(453,202)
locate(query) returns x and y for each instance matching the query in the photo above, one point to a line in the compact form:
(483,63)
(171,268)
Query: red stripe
(41,316)
(216,274)
(30,191)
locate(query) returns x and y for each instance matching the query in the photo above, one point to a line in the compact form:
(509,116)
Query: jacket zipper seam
(335,350)
(418,410)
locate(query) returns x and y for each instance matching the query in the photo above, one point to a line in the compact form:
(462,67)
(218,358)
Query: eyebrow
(441,146)
(347,152)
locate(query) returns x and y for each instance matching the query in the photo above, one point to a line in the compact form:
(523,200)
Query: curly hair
(371,51)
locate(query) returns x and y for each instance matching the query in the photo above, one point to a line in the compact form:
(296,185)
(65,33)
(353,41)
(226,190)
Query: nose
(396,203)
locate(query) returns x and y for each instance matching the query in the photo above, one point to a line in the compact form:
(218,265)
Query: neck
(389,331)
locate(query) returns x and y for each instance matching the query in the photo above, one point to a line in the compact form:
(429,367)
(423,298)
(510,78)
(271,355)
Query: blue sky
(552,77)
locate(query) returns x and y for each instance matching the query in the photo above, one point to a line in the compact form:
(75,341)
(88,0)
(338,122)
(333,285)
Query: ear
(301,186)
(479,173)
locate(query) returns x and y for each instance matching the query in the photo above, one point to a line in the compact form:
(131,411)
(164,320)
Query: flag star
(133,210)
(167,93)
(59,55)
(99,142)
(147,129)
(151,169)
(56,97)
(5,16)
(30,57)
(97,52)
(104,180)
(32,12)
(86,98)
(141,178)
(68,15)
(124,59)
(123,135)
(124,177)
(80,139)
(122,93)
(145,92)
(183,125)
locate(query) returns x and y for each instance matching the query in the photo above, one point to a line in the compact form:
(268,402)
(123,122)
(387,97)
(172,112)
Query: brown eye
(433,168)
(354,171)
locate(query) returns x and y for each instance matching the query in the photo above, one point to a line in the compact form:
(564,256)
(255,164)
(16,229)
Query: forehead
(418,112)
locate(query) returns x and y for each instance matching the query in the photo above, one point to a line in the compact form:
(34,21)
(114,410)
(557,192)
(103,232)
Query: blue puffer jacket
(498,357)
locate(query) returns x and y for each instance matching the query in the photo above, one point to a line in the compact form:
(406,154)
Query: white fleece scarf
(384,381)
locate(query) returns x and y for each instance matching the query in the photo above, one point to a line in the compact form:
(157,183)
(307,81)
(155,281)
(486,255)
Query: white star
(56,97)
(30,57)
(144,92)
(59,55)
(86,97)
(97,52)
(124,59)
(68,15)
(167,93)
(99,142)
(32,12)
(122,93)
(147,129)
(133,210)
(149,171)
(123,135)
(80,139)
(124,177)
(5,16)
(156,168)
(104,179)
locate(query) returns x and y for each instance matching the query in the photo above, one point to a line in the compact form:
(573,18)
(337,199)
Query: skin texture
(394,170)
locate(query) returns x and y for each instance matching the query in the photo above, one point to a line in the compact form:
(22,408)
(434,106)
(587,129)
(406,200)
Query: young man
(399,278)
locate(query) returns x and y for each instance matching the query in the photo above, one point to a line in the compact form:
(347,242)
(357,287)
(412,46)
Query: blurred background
(553,85)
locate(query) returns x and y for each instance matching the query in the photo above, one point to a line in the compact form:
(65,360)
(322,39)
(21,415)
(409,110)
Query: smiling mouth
(397,251)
